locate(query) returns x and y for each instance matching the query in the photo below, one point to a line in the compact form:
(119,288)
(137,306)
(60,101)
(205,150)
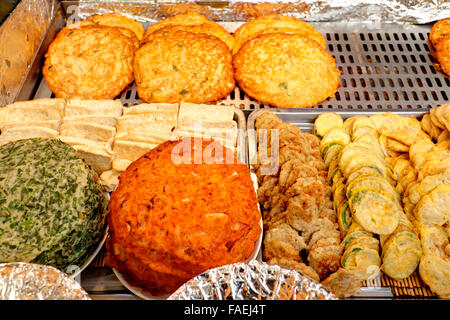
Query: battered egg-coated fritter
(440,40)
(90,62)
(187,19)
(206,28)
(286,70)
(183,66)
(276,23)
(114,20)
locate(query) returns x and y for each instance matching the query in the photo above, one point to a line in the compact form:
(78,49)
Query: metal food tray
(384,67)
(382,286)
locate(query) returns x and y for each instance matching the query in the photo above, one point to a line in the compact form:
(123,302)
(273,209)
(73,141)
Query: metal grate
(384,66)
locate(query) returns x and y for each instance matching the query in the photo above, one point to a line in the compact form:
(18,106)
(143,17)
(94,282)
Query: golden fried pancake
(183,66)
(440,30)
(91,62)
(115,20)
(440,40)
(187,19)
(286,70)
(313,34)
(215,30)
(256,26)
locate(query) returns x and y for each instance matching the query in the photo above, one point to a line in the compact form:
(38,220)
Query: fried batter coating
(215,30)
(274,23)
(324,260)
(286,70)
(282,241)
(185,19)
(343,283)
(113,20)
(183,66)
(90,62)
(440,39)
(267,120)
(169,222)
(297,266)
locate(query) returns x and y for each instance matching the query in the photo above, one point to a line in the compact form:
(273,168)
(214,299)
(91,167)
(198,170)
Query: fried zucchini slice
(335,135)
(361,121)
(325,122)
(339,196)
(354,155)
(365,261)
(365,241)
(344,218)
(333,168)
(374,211)
(377,183)
(364,170)
(354,233)
(401,255)
(332,152)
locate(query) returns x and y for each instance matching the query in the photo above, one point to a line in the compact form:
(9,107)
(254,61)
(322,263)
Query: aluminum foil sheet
(20,37)
(251,281)
(27,281)
(405,11)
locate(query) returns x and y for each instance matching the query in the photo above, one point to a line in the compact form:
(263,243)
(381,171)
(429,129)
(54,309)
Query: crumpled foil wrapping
(20,37)
(405,11)
(27,281)
(251,281)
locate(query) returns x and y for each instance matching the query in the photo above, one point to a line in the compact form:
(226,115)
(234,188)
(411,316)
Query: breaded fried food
(440,40)
(183,66)
(273,23)
(286,70)
(113,19)
(343,283)
(185,19)
(171,220)
(91,62)
(215,30)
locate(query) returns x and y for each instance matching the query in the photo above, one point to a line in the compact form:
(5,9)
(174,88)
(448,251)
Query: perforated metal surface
(384,66)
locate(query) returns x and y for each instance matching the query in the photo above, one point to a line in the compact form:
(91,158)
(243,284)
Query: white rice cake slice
(121,165)
(228,133)
(105,121)
(229,143)
(78,107)
(26,132)
(131,150)
(147,137)
(154,108)
(110,180)
(204,112)
(87,130)
(97,154)
(33,110)
(51,124)
(140,124)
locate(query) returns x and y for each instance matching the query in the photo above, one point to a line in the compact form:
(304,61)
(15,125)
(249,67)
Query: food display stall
(345,103)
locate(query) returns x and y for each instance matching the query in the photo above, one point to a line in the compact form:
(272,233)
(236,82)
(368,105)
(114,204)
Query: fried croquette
(440,40)
(205,28)
(286,70)
(171,221)
(90,62)
(254,27)
(113,20)
(183,66)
